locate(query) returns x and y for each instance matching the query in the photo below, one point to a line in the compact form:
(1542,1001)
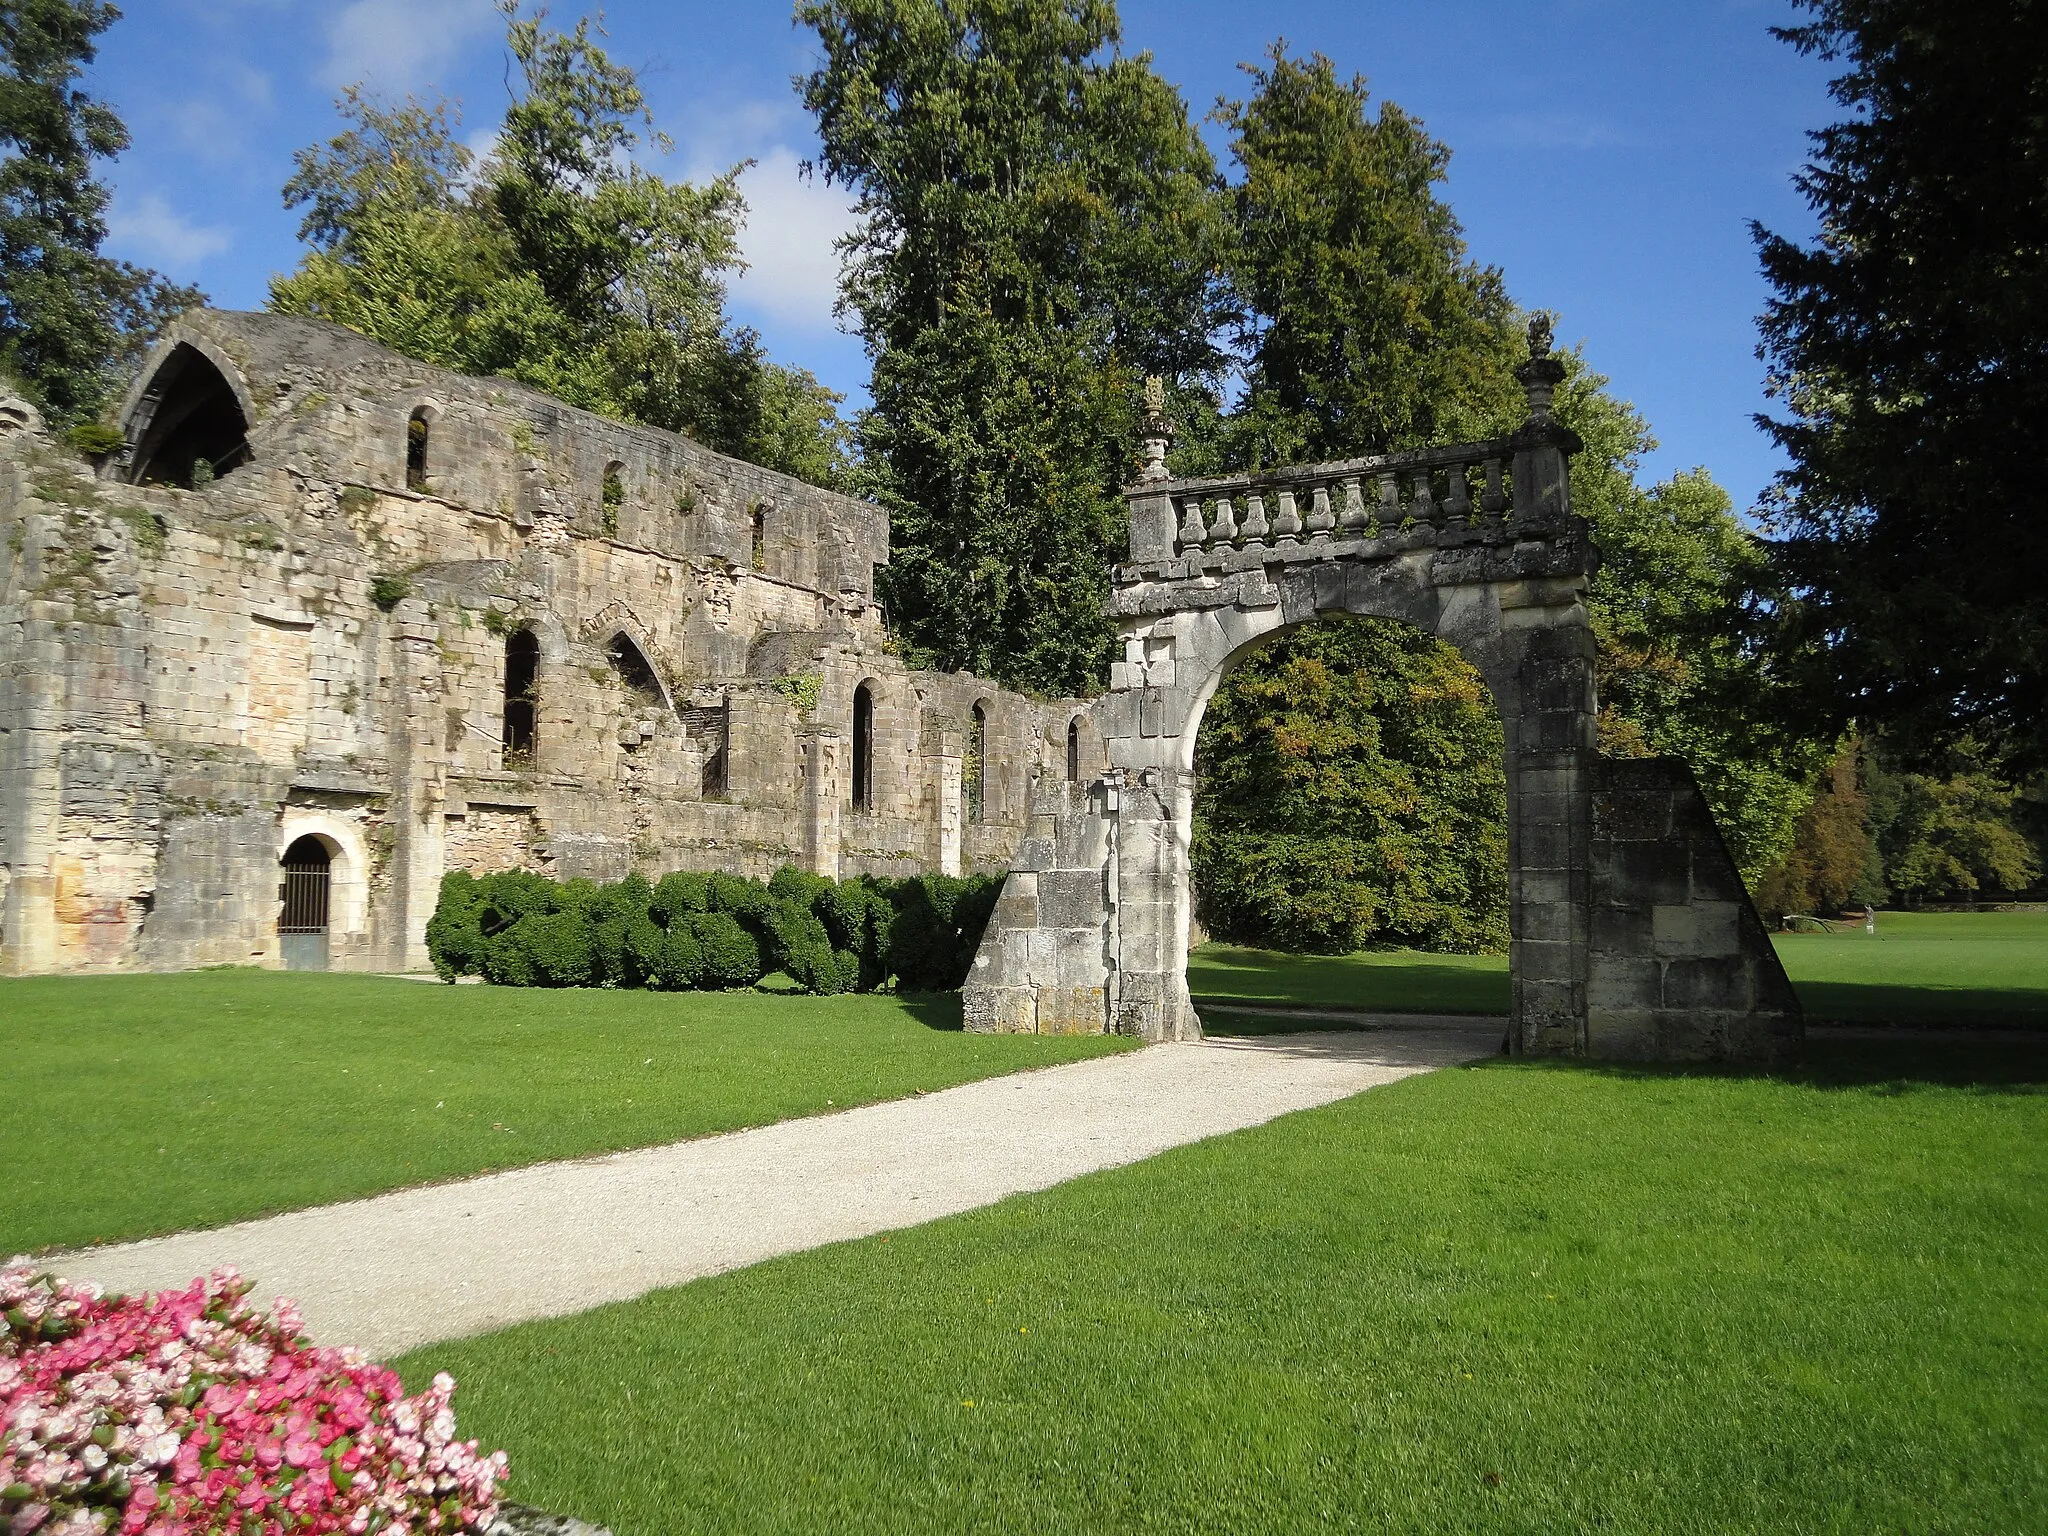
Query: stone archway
(348,875)
(1631,934)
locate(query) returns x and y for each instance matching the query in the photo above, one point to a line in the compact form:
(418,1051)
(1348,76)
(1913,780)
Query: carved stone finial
(1156,431)
(1541,375)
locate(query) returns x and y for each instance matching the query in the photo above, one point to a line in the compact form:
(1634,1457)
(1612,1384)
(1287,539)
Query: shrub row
(711,931)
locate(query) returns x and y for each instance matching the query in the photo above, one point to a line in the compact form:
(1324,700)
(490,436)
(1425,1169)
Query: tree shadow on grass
(934,1010)
(1922,1060)
(1854,1002)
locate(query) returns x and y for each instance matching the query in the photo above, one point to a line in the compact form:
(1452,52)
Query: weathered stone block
(1632,815)
(1647,874)
(1626,984)
(1071,1011)
(1622,930)
(1620,1033)
(1070,898)
(1696,929)
(1693,985)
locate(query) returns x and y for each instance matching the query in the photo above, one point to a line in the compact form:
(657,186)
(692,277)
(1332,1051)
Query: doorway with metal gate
(302,926)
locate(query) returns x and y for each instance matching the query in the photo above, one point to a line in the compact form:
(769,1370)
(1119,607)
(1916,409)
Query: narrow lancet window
(522,669)
(971,771)
(1074,750)
(863,749)
(717,782)
(416,452)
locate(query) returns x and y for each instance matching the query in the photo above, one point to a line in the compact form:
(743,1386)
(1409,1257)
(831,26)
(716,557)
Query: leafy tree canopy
(1677,609)
(1037,232)
(73,323)
(1352,793)
(559,261)
(1361,324)
(1881,832)
(1908,342)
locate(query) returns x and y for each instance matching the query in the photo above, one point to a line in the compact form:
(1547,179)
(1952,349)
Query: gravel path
(405,1269)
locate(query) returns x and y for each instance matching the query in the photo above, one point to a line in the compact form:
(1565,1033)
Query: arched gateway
(1632,934)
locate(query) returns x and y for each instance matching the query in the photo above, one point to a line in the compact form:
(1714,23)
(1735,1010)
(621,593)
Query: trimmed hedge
(711,931)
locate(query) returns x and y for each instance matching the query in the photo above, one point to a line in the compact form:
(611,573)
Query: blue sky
(1607,154)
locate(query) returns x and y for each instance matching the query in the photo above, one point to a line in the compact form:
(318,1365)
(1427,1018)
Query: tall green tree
(1363,325)
(72,322)
(1038,231)
(1353,793)
(559,261)
(1679,609)
(1908,343)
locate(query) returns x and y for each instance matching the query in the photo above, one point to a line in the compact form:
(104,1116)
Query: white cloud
(153,232)
(792,275)
(398,46)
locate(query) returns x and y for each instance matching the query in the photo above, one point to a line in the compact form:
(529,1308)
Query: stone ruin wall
(189,679)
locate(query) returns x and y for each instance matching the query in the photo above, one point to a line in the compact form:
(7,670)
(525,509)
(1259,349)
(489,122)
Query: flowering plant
(182,1412)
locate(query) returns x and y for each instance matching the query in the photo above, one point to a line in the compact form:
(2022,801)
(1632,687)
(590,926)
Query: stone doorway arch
(302,925)
(321,932)
(1631,933)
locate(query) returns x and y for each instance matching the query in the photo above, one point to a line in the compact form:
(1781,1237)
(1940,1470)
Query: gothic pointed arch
(189,423)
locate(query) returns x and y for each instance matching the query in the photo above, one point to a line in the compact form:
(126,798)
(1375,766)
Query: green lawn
(1518,1297)
(1978,968)
(1926,968)
(1388,981)
(146,1104)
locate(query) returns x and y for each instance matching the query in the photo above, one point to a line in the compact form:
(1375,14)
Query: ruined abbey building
(334,622)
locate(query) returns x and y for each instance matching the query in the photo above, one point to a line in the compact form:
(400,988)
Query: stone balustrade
(1454,495)
(1485,493)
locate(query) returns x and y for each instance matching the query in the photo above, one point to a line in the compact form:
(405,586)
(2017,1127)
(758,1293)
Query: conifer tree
(1038,232)
(1363,324)
(1908,344)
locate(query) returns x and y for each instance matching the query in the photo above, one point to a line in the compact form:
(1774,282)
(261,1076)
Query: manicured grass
(1517,1297)
(1970,968)
(1923,968)
(1385,981)
(146,1104)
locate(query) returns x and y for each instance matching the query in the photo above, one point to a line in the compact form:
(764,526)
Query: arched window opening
(1074,750)
(302,925)
(972,770)
(636,672)
(416,452)
(613,497)
(188,429)
(863,749)
(757,521)
(522,670)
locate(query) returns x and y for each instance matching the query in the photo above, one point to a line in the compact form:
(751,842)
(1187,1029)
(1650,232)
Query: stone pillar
(1153,904)
(1548,710)
(944,753)
(31,791)
(418,774)
(821,752)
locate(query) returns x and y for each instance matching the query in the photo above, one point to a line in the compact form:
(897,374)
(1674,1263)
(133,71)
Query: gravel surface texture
(420,1265)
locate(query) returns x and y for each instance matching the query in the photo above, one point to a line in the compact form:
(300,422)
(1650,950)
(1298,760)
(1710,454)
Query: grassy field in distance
(1922,968)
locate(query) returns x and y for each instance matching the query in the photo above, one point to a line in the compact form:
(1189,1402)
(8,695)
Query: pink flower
(144,1392)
